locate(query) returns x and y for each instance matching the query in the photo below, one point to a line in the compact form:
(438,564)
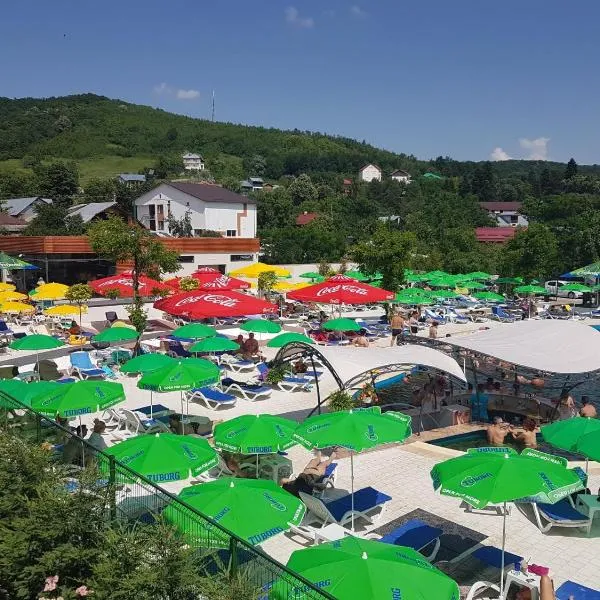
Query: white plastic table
(591,504)
(330,533)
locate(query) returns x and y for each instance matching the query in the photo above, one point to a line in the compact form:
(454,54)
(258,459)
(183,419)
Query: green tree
(571,169)
(302,190)
(54,219)
(17,185)
(168,165)
(181,227)
(100,190)
(387,252)
(58,180)
(116,240)
(256,166)
(80,294)
(274,209)
(266,282)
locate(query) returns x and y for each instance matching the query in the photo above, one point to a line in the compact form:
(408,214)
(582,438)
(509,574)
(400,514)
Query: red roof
(497,235)
(6,219)
(511,206)
(347,181)
(306,218)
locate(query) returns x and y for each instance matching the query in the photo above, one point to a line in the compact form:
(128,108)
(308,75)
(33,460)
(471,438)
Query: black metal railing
(131,498)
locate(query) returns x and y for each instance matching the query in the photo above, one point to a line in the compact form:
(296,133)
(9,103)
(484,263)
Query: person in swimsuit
(587,408)
(397,325)
(527,436)
(497,432)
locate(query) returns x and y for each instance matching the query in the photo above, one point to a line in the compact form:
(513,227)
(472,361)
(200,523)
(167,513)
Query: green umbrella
(341,324)
(444,294)
(535,282)
(253,509)
(353,568)
(416,300)
(357,275)
(194,331)
(447,281)
(416,277)
(184,374)
(592,270)
(214,344)
(471,285)
(596,288)
(489,296)
(79,398)
(514,280)
(356,430)
(437,274)
(116,334)
(37,388)
(147,362)
(36,342)
(576,287)
(580,434)
(310,275)
(287,338)
(165,457)
(14,388)
(478,275)
(10,263)
(530,289)
(494,475)
(261,326)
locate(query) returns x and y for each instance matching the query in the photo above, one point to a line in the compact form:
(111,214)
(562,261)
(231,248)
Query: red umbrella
(211,279)
(124,283)
(340,289)
(201,304)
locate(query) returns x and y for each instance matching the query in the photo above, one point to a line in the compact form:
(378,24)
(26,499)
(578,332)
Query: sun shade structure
(50,291)
(288,338)
(261,326)
(147,362)
(8,296)
(7,287)
(489,296)
(203,304)
(576,287)
(550,345)
(15,388)
(182,375)
(579,434)
(211,279)
(592,270)
(124,284)
(340,289)
(530,289)
(353,568)
(10,263)
(257,268)
(341,324)
(194,331)
(65,310)
(253,509)
(215,344)
(16,307)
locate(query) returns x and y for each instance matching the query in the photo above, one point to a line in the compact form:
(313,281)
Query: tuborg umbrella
(10,263)
(14,388)
(579,434)
(214,344)
(194,331)
(37,342)
(356,430)
(310,275)
(514,280)
(116,334)
(340,289)
(575,287)
(287,338)
(165,457)
(79,398)
(493,297)
(500,475)
(146,363)
(341,324)
(261,326)
(202,304)
(357,275)
(478,275)
(253,509)
(530,289)
(353,568)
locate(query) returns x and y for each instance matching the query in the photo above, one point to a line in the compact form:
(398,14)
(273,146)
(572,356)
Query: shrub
(340,400)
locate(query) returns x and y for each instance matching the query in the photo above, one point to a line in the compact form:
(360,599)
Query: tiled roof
(211,193)
(499,206)
(6,220)
(495,234)
(306,218)
(132,177)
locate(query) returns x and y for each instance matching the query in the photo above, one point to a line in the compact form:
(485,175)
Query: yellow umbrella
(50,291)
(257,268)
(7,287)
(284,286)
(64,310)
(123,324)
(6,296)
(17,307)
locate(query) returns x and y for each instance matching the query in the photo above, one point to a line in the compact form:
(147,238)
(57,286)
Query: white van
(554,289)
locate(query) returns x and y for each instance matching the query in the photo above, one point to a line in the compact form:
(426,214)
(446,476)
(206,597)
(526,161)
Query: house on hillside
(346,186)
(252,184)
(24,208)
(401,176)
(210,207)
(131,179)
(305,218)
(95,211)
(369,173)
(11,224)
(506,214)
(193,162)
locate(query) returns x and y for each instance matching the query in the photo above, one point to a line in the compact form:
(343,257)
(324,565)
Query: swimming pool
(478,439)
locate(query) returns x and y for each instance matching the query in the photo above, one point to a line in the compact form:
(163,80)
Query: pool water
(478,439)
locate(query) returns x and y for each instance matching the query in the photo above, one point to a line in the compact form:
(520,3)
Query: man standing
(397,325)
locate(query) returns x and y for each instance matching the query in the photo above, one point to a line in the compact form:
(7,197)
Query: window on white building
(240,257)
(231,233)
(185,258)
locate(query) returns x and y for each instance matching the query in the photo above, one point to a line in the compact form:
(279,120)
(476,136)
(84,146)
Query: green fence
(132,498)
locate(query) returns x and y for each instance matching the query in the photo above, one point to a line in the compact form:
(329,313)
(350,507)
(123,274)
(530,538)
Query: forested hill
(84,126)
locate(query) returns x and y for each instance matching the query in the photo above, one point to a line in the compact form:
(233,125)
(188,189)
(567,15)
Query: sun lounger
(369,504)
(434,316)
(570,589)
(246,390)
(82,365)
(236,365)
(138,423)
(455,317)
(561,514)
(211,397)
(499,314)
(492,557)
(415,534)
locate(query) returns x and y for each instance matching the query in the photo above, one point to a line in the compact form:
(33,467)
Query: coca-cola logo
(113,282)
(221,300)
(219,282)
(353,289)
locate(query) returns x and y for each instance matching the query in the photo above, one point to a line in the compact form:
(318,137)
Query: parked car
(554,289)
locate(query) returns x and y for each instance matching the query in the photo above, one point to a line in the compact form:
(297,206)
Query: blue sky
(469,79)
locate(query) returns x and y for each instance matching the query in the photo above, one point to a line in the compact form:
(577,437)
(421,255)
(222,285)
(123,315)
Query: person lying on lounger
(305,482)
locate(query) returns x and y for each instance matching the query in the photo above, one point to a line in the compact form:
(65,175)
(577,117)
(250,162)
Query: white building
(210,207)
(506,214)
(193,162)
(369,173)
(401,176)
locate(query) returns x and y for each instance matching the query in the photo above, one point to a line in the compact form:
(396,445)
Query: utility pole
(213,107)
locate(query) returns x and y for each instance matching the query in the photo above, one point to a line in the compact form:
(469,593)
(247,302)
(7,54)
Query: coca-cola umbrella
(203,304)
(212,279)
(124,284)
(340,289)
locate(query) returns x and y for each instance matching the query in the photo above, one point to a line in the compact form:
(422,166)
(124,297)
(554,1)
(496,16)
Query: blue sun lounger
(415,534)
(570,589)
(210,397)
(561,514)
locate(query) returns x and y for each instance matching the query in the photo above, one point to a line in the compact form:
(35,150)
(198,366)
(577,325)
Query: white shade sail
(349,361)
(550,345)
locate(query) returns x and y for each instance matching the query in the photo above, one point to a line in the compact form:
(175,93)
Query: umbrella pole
(503,549)
(151,406)
(352,484)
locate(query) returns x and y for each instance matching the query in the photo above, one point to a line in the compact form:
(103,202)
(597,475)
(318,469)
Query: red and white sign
(201,304)
(340,289)
(124,284)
